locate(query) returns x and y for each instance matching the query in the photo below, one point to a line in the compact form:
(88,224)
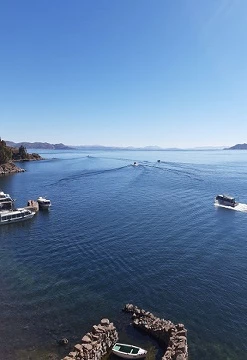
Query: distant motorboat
(11,216)
(135,163)
(126,351)
(158,161)
(225,200)
(44,203)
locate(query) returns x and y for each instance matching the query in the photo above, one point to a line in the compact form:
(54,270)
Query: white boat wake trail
(240,207)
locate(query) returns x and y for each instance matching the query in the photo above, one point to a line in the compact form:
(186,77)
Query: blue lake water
(117,233)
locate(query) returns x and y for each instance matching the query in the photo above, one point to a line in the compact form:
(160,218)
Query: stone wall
(173,338)
(95,344)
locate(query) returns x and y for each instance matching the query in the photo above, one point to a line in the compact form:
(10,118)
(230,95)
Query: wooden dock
(32,205)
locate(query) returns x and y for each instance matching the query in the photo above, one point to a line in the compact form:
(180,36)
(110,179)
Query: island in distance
(238,147)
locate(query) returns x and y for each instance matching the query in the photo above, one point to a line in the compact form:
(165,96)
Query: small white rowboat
(128,351)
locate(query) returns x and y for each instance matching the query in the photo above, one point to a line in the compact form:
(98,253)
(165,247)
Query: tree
(5,152)
(23,152)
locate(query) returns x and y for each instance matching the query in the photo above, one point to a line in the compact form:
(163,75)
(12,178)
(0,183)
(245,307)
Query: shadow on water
(45,212)
(128,334)
(27,224)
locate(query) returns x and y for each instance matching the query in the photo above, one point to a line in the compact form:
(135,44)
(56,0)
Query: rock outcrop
(173,338)
(8,155)
(9,168)
(95,344)
(21,154)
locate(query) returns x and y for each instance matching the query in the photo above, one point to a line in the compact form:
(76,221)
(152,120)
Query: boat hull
(128,356)
(44,206)
(226,203)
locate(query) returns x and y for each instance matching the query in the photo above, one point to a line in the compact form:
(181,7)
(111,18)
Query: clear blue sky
(124,72)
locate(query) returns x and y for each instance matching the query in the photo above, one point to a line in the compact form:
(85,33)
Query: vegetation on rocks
(8,153)
(22,154)
(5,152)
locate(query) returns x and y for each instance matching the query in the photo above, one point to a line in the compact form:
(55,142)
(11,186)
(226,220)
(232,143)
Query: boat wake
(240,207)
(188,174)
(88,174)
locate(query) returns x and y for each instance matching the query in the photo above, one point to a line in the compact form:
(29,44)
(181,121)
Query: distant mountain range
(48,146)
(238,147)
(39,145)
(102,147)
(45,145)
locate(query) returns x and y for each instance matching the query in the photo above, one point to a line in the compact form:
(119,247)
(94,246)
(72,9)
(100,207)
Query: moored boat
(126,351)
(16,215)
(43,202)
(226,200)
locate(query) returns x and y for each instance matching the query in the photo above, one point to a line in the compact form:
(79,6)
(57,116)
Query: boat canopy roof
(225,197)
(43,200)
(4,196)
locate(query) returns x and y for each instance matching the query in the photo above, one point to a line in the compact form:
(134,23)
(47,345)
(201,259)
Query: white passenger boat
(16,215)
(128,351)
(225,200)
(6,202)
(44,203)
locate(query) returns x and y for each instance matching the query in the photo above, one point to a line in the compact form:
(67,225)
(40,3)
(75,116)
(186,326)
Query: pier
(32,205)
(95,344)
(173,338)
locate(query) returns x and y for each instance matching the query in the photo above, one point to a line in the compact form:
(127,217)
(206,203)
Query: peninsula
(238,147)
(9,155)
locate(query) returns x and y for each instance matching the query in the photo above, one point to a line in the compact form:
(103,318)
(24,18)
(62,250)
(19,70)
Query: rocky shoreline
(10,168)
(173,338)
(10,155)
(95,344)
